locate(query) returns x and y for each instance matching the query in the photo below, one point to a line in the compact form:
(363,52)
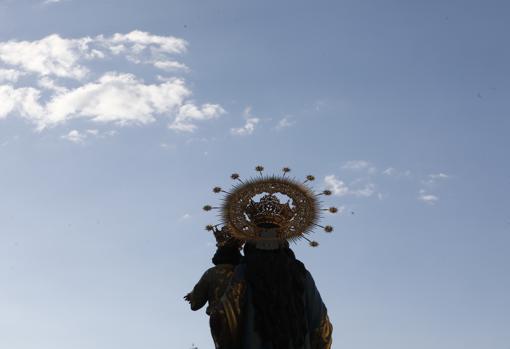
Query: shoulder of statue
(239,271)
(209,272)
(224,267)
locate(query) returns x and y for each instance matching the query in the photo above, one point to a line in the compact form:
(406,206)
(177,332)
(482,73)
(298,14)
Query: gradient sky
(118,117)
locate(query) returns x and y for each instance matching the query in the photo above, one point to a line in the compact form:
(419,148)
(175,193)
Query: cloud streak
(48,2)
(435,177)
(429,199)
(79,137)
(359,165)
(393,172)
(249,125)
(340,188)
(10,75)
(367,175)
(285,122)
(75,136)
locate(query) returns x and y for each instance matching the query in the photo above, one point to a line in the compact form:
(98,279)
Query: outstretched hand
(187,297)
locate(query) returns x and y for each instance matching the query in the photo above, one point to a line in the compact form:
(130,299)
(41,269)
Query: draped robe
(233,322)
(211,287)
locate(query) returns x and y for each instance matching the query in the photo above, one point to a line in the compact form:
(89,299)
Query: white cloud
(47,2)
(68,87)
(356,164)
(359,165)
(165,145)
(9,140)
(24,101)
(140,41)
(337,186)
(433,178)
(75,136)
(247,129)
(111,133)
(319,105)
(49,84)
(249,126)
(51,55)
(285,122)
(66,58)
(367,174)
(439,176)
(340,188)
(189,113)
(170,65)
(10,75)
(393,172)
(8,102)
(93,132)
(119,98)
(366,191)
(390,171)
(428,198)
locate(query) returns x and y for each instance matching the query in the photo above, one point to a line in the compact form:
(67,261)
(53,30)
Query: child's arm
(198,297)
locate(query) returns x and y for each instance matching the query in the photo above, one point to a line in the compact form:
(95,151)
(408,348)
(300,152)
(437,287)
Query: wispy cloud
(360,165)
(165,145)
(370,182)
(249,125)
(340,188)
(390,171)
(393,172)
(67,86)
(439,176)
(337,186)
(366,191)
(9,140)
(435,177)
(319,105)
(76,136)
(48,2)
(185,216)
(429,199)
(189,113)
(10,75)
(50,85)
(285,122)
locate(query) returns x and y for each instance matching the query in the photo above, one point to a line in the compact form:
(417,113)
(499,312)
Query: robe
(211,287)
(233,322)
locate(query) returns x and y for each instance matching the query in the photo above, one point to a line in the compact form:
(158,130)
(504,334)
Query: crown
(252,206)
(269,212)
(223,236)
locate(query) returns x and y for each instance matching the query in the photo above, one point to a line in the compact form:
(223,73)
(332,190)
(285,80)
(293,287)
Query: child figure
(215,280)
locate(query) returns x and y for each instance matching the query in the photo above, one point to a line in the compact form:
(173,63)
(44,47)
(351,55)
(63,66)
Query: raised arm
(198,297)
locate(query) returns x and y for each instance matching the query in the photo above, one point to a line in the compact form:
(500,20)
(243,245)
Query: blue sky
(117,119)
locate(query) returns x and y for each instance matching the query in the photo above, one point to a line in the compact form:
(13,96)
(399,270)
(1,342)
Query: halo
(302,198)
(256,205)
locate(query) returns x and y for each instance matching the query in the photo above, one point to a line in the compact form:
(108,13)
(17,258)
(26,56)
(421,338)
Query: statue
(215,280)
(271,301)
